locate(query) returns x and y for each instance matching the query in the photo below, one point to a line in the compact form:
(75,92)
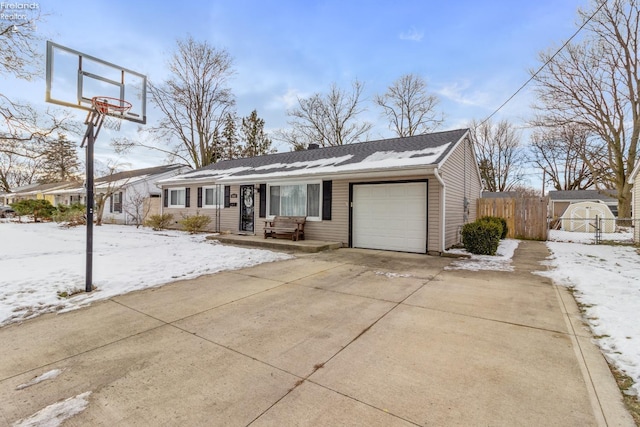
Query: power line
(545,64)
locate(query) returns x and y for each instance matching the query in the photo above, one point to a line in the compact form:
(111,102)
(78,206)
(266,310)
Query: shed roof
(576,195)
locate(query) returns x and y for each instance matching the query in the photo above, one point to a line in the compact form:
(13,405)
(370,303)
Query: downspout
(442,208)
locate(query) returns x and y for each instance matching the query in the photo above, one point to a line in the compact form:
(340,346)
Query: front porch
(309,246)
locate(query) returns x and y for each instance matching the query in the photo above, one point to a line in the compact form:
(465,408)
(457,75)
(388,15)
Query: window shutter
(166,198)
(227,196)
(327,187)
(263,201)
(187,197)
(111,203)
(118,206)
(199,197)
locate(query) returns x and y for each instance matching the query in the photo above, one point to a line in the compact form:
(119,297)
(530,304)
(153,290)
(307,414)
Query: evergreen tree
(229,145)
(60,160)
(256,141)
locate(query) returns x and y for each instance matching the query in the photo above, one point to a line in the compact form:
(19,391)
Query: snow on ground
(501,261)
(579,237)
(39,262)
(55,414)
(606,280)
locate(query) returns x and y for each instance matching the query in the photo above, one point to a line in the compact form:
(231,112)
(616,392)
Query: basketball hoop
(111,109)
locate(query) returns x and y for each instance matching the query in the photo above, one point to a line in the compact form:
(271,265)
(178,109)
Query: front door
(246,208)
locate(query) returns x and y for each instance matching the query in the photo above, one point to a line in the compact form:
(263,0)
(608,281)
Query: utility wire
(545,64)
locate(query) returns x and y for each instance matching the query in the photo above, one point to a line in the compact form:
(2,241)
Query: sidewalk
(345,337)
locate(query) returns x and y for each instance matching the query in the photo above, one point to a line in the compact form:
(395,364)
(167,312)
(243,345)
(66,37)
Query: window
(116,202)
(177,197)
(295,200)
(212,197)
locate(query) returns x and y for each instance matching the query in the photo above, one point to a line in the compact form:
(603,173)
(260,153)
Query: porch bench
(285,226)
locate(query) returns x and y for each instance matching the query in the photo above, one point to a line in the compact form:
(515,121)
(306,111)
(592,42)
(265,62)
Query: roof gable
(394,153)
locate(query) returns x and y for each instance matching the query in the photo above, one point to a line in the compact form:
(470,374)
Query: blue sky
(473,54)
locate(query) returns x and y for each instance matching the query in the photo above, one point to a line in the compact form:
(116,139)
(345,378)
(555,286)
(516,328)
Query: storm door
(246,208)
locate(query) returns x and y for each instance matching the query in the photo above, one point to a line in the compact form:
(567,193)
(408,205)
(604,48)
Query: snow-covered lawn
(40,262)
(606,280)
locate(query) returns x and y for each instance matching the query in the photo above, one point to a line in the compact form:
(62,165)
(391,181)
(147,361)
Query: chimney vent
(313,146)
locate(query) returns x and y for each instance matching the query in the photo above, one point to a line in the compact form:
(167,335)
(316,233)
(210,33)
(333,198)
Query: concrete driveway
(346,337)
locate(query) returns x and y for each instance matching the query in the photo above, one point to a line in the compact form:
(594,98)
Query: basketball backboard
(74,78)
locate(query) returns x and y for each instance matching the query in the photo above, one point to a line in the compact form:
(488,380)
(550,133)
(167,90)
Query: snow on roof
(376,161)
(400,153)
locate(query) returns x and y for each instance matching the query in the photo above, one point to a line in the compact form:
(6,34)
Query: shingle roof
(156,170)
(604,195)
(428,149)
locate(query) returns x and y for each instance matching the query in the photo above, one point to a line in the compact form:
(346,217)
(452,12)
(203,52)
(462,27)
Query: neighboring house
(405,194)
(135,192)
(559,201)
(634,179)
(37,192)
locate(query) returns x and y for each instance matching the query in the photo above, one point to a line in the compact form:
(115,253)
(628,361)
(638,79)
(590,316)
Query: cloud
(287,100)
(458,92)
(412,35)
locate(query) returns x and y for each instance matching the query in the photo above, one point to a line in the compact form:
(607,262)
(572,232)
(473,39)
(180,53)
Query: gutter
(443,208)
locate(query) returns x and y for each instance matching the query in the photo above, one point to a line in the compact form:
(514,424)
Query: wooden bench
(285,226)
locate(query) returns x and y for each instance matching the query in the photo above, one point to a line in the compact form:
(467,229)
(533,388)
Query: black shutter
(227,196)
(118,206)
(187,197)
(199,197)
(327,187)
(263,201)
(111,203)
(166,198)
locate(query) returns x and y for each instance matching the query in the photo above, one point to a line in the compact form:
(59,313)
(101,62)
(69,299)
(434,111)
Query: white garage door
(390,216)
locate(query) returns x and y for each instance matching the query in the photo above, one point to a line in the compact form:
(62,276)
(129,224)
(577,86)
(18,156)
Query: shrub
(159,222)
(39,209)
(498,220)
(72,215)
(481,237)
(196,223)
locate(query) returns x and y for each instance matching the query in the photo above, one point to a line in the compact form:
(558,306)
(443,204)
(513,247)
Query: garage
(390,216)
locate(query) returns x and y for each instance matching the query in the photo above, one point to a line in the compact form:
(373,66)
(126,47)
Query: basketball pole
(94,123)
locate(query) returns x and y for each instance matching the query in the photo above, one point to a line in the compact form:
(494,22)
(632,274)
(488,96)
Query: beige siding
(337,229)
(636,208)
(463,184)
(434,224)
(559,209)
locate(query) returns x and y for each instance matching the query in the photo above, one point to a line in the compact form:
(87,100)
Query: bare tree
(21,59)
(595,83)
(327,120)
(136,205)
(409,107)
(560,153)
(500,156)
(109,186)
(195,101)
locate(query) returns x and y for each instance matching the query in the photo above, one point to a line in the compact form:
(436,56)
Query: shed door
(390,216)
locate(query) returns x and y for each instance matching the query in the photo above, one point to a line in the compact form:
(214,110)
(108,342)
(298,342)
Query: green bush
(196,223)
(72,215)
(39,209)
(498,220)
(159,222)
(481,237)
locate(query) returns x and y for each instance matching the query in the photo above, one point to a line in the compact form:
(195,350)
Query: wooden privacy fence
(526,216)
